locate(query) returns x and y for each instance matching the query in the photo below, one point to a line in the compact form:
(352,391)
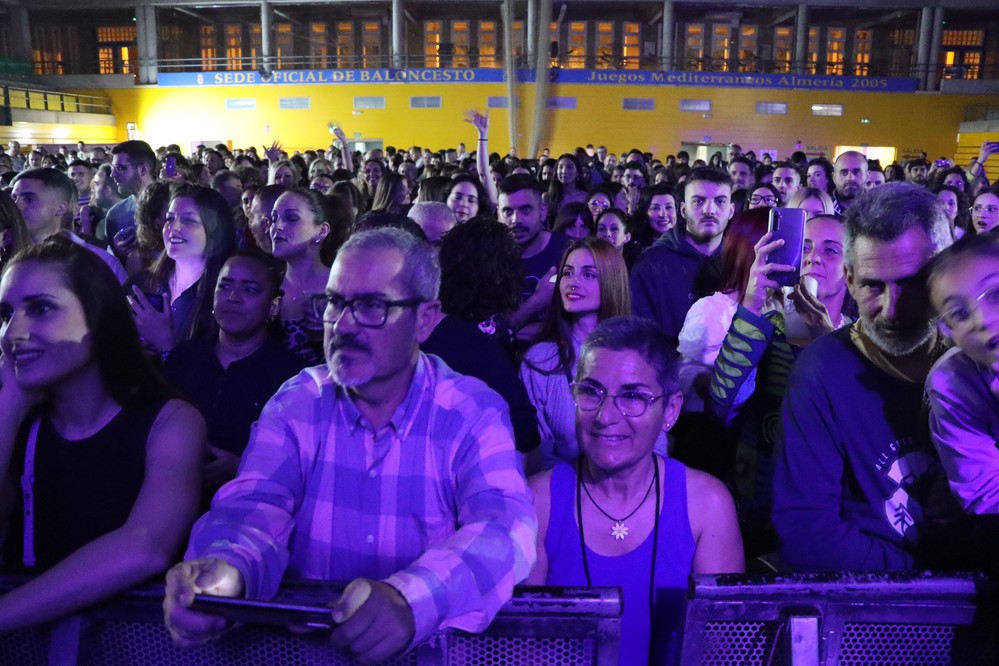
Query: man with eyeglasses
(383,467)
(857,482)
(683,265)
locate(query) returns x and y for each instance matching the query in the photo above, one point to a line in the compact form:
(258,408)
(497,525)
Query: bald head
(849,175)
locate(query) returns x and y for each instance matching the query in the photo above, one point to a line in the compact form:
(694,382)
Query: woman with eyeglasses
(985,212)
(622,514)
(299,228)
(592,285)
(762,195)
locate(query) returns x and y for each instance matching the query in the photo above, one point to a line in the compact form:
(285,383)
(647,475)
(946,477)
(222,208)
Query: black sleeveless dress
(83,489)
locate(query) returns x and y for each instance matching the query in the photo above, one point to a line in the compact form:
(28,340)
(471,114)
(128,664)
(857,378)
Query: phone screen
(787,224)
(171,166)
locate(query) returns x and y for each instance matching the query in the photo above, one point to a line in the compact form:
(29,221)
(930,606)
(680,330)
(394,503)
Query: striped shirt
(434,503)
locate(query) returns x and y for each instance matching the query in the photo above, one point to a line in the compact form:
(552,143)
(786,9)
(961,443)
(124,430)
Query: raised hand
(274,152)
(759,274)
(479,121)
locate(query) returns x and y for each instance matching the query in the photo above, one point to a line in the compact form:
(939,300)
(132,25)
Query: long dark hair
(12,222)
(125,369)
(220,243)
(615,299)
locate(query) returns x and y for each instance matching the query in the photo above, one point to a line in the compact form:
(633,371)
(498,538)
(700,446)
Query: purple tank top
(630,572)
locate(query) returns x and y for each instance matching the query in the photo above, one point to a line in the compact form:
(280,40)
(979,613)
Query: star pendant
(619,530)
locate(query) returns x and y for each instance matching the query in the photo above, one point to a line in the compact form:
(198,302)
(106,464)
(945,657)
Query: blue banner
(571,76)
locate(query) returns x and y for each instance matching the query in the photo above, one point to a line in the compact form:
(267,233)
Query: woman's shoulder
(542,354)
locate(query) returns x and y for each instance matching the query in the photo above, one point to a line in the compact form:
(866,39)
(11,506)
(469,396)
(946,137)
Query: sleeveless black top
(83,488)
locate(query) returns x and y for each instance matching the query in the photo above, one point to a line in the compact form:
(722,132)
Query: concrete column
(147,40)
(668,53)
(398,25)
(923,48)
(510,71)
(266,36)
(800,40)
(20,33)
(530,33)
(933,75)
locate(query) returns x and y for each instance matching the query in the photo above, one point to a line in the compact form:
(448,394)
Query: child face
(967,297)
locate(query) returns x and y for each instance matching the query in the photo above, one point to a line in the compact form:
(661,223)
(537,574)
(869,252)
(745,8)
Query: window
(319,48)
(772,108)
(233,47)
(116,48)
(487,45)
(827,109)
(371,43)
(575,55)
(862,52)
(431,102)
(721,40)
(256,45)
(460,32)
(240,104)
(963,38)
(638,104)
(345,44)
(500,102)
(369,102)
(835,48)
(631,54)
(431,43)
(697,105)
(284,45)
(294,103)
(812,66)
(554,48)
(783,48)
(209,51)
(694,47)
(748,60)
(517,37)
(561,102)
(605,45)
(47,51)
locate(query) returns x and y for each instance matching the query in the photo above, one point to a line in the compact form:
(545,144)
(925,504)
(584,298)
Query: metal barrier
(844,619)
(540,625)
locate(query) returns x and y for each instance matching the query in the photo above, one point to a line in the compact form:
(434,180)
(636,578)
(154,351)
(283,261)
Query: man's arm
(463,581)
(643,301)
(809,475)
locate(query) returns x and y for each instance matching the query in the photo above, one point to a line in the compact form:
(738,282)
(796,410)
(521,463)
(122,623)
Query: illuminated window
(605,45)
(748,61)
(783,48)
(517,37)
(319,44)
(431,43)
(345,44)
(963,38)
(631,54)
(694,47)
(835,47)
(208,48)
(487,44)
(721,42)
(695,105)
(812,66)
(115,49)
(371,43)
(772,108)
(233,47)
(47,51)
(862,52)
(554,47)
(460,31)
(284,45)
(256,45)
(575,55)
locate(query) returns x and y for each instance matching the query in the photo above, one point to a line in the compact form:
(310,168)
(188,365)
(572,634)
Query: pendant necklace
(619,530)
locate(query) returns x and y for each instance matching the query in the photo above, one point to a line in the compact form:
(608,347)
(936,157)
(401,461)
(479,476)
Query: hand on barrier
(376,622)
(203,576)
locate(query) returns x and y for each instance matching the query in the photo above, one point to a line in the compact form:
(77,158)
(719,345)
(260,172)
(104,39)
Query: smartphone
(170,168)
(943,163)
(264,612)
(787,224)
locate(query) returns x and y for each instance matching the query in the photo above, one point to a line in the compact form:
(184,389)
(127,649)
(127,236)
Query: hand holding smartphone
(788,225)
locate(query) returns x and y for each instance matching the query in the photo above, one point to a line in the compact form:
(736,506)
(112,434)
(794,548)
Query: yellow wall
(911,123)
(968,145)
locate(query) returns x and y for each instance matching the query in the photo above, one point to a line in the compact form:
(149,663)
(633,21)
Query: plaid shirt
(434,503)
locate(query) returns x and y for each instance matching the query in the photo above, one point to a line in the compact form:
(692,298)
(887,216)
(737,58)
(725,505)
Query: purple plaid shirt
(435,503)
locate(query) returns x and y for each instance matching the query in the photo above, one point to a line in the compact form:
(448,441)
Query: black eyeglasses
(757,199)
(631,403)
(368,311)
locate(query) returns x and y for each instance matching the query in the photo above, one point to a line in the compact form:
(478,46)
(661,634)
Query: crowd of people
(437,375)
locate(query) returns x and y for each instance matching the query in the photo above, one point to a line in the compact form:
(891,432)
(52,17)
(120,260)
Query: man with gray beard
(857,479)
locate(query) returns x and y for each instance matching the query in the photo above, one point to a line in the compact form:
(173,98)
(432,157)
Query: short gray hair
(420,264)
(638,335)
(886,212)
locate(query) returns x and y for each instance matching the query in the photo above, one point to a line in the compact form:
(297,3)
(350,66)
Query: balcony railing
(16,97)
